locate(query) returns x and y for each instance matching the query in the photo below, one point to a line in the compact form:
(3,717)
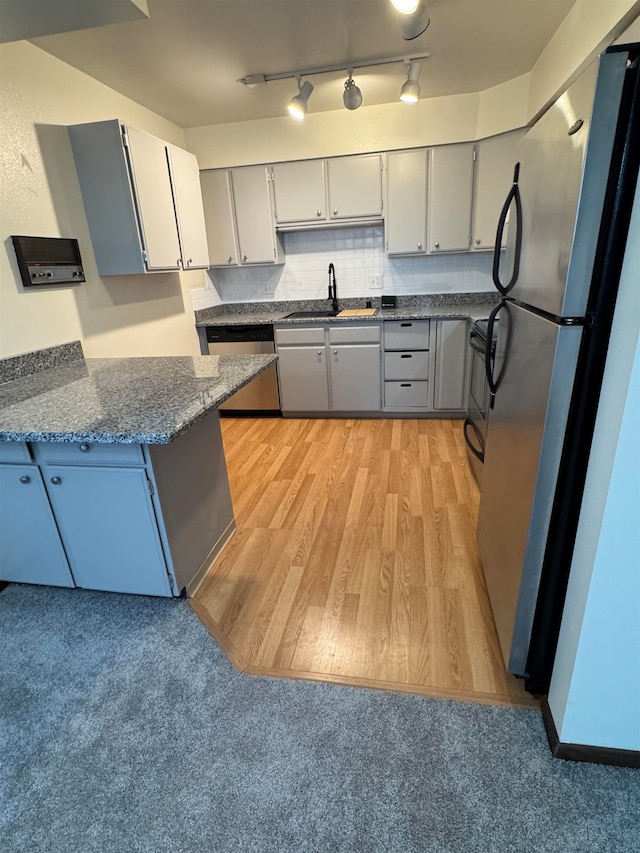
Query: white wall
(594,695)
(358,256)
(40,195)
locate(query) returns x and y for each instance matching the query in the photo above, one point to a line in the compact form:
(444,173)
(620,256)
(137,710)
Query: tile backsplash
(359,258)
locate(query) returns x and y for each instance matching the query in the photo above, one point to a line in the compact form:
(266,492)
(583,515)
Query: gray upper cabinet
(134,203)
(355,186)
(450,194)
(312,193)
(299,191)
(185,182)
(238,203)
(406,212)
(495,161)
(220,218)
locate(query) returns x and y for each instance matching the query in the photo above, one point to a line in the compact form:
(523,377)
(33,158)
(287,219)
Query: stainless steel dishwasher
(261,395)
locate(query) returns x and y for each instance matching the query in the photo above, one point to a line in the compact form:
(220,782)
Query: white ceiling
(184,61)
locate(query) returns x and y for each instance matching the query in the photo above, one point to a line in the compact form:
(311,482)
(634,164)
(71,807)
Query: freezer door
(522,458)
(564,165)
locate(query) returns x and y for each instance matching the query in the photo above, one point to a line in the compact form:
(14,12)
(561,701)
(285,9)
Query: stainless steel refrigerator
(568,217)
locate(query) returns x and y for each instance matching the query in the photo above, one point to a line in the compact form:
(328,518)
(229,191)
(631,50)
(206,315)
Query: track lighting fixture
(352,97)
(415,19)
(410,92)
(298,104)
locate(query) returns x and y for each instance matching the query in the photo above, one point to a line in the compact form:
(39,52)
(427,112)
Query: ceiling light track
(257,79)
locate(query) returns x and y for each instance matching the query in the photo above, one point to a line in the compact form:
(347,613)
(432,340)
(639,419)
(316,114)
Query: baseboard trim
(200,576)
(582,752)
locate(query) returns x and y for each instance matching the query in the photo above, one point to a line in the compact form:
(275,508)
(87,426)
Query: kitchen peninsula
(112,471)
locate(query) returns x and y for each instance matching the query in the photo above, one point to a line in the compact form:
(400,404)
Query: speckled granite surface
(42,359)
(454,305)
(122,400)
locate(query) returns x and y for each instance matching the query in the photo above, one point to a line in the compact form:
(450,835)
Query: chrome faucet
(333,293)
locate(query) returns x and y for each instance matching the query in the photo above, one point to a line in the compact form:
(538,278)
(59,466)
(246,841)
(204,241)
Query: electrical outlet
(376,282)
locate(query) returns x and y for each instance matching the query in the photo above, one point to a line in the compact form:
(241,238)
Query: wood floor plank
(355,559)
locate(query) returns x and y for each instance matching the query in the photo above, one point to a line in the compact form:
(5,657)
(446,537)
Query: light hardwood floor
(355,559)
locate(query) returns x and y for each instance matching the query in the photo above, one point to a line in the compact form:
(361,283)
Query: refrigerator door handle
(479,454)
(512,196)
(494,381)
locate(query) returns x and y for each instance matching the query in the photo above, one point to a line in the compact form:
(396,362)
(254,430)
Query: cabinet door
(150,172)
(450,187)
(303,379)
(219,218)
(451,360)
(185,179)
(406,214)
(254,215)
(355,186)
(299,191)
(495,160)
(30,547)
(108,527)
(355,378)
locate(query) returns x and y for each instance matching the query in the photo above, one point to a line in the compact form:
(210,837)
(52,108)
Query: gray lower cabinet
(407,366)
(107,523)
(329,368)
(304,385)
(30,546)
(130,518)
(449,393)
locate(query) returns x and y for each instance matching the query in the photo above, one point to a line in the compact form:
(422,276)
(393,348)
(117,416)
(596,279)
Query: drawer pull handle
(318,213)
(56,480)
(406,356)
(405,385)
(85,448)
(25,479)
(403,325)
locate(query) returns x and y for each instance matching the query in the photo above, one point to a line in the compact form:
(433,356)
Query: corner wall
(40,196)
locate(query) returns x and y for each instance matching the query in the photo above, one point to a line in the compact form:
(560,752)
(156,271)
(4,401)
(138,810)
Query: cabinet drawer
(300,335)
(78,453)
(362,334)
(403,395)
(14,451)
(406,365)
(406,334)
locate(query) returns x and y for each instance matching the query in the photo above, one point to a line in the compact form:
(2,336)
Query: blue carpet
(124,728)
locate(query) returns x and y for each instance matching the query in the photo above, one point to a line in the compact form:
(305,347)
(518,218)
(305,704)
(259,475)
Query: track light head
(352,96)
(415,19)
(298,104)
(410,92)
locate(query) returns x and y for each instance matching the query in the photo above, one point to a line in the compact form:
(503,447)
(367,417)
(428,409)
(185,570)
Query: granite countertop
(473,306)
(121,400)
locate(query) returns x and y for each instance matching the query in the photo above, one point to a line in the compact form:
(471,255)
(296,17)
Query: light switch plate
(376,282)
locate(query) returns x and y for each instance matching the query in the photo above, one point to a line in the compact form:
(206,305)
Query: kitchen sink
(311,315)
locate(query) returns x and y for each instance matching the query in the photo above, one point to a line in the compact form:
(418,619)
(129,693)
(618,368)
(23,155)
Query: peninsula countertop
(148,400)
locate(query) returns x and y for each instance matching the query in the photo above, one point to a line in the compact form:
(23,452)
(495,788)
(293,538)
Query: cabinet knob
(56,480)
(84,448)
(189,261)
(318,213)
(179,263)
(319,352)
(437,245)
(477,242)
(419,245)
(335,211)
(230,261)
(25,479)
(335,352)
(244,259)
